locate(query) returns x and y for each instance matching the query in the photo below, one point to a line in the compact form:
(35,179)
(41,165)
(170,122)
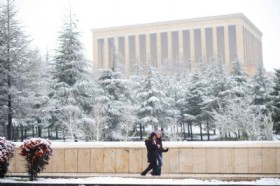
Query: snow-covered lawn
(144,180)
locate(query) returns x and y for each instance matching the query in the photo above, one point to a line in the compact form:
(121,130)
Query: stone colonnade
(188,45)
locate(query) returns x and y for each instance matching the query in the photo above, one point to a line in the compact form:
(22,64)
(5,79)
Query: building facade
(190,42)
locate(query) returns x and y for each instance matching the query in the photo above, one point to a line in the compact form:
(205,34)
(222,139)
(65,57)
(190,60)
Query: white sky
(43,18)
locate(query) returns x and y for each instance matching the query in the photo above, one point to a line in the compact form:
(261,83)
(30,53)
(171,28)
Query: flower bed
(7,151)
(37,153)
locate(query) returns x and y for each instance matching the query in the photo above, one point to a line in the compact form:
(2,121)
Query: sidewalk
(222,177)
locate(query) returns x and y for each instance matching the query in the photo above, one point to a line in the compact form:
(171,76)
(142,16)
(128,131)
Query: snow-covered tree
(72,90)
(34,108)
(261,87)
(116,100)
(193,102)
(275,102)
(152,111)
(16,55)
(238,81)
(215,90)
(94,127)
(239,119)
(175,88)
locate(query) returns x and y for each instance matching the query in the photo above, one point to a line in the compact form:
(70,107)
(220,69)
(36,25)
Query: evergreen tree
(33,109)
(261,87)
(216,86)
(152,101)
(15,57)
(176,90)
(72,92)
(193,102)
(238,81)
(115,100)
(275,102)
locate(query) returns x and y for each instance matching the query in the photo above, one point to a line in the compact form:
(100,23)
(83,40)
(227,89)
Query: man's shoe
(142,174)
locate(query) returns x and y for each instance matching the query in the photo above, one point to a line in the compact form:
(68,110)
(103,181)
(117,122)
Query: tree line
(62,93)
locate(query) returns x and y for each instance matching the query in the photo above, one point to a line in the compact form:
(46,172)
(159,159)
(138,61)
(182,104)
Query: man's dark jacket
(152,150)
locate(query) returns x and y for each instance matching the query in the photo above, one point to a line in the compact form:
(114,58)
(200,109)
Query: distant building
(191,42)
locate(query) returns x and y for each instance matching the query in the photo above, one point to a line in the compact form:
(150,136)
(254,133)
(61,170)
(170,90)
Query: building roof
(220,17)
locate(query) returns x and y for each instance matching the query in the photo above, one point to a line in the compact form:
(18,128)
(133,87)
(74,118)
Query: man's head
(153,135)
(159,134)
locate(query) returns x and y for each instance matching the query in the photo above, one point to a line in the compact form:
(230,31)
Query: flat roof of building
(220,17)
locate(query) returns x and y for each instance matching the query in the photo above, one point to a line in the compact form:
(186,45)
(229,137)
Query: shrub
(7,151)
(37,153)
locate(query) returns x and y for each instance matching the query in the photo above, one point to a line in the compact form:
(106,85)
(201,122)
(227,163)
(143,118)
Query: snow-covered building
(191,41)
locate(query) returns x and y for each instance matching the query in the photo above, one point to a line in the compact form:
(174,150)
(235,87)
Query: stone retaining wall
(182,158)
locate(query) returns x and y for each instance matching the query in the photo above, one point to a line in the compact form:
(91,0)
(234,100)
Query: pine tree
(238,81)
(115,100)
(193,101)
(275,102)
(72,92)
(36,111)
(175,92)
(15,55)
(261,87)
(216,86)
(153,101)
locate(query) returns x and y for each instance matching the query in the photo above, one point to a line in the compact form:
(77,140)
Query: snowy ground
(134,181)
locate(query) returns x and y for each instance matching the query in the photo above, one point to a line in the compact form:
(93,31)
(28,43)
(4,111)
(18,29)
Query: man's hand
(166,150)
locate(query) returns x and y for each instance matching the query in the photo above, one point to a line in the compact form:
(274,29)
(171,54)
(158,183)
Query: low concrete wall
(182,158)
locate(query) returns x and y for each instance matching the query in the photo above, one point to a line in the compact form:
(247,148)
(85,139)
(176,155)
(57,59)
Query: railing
(182,158)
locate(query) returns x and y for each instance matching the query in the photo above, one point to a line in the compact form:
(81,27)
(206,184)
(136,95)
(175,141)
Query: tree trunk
(21,130)
(201,136)
(33,131)
(184,130)
(208,131)
(188,129)
(191,131)
(39,131)
(17,136)
(10,124)
(141,134)
(49,133)
(56,133)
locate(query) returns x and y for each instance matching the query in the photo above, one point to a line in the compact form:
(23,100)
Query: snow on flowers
(7,151)
(37,153)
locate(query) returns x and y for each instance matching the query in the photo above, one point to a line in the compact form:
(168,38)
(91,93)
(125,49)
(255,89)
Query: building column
(95,53)
(126,53)
(240,44)
(226,39)
(260,52)
(137,49)
(181,46)
(203,45)
(116,43)
(158,50)
(148,49)
(215,44)
(169,46)
(192,50)
(116,49)
(106,54)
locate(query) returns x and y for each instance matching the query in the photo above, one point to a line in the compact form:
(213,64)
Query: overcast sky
(43,18)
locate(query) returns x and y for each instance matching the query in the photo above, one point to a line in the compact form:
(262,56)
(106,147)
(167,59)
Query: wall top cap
(181,144)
